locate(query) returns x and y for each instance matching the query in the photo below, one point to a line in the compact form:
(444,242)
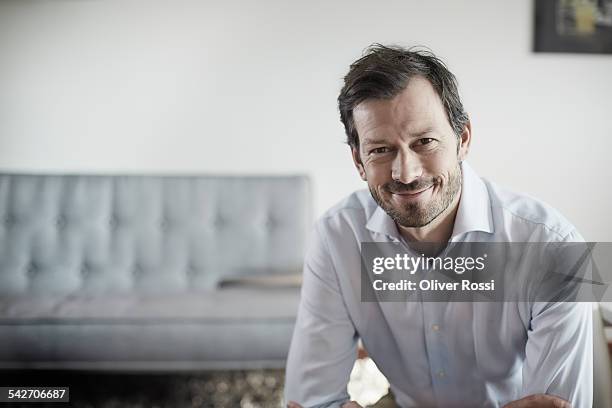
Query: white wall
(250,86)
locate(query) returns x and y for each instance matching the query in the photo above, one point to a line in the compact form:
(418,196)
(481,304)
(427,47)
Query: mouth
(411,195)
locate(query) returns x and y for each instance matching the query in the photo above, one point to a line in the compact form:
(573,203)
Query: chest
(412,337)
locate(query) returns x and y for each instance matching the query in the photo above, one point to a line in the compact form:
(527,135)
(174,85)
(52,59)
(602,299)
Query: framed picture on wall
(576,26)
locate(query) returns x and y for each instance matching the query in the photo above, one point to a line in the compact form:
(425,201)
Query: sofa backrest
(106,234)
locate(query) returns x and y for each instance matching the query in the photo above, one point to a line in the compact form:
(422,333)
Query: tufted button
(32,270)
(219,222)
(163,224)
(113,222)
(192,270)
(61,222)
(8,220)
(137,271)
(271,222)
(85,270)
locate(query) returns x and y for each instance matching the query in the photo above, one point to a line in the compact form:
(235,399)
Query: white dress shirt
(455,354)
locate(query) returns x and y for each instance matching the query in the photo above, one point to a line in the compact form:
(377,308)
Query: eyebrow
(371,141)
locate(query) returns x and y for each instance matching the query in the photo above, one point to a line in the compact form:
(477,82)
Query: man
(409,135)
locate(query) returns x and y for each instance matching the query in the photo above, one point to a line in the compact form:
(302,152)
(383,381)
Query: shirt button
(435,327)
(441,374)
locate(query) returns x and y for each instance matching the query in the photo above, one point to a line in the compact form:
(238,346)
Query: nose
(406,167)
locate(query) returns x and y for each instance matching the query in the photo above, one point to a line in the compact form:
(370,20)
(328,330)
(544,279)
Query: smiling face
(409,154)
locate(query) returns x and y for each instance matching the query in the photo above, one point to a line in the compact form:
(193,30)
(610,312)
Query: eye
(425,141)
(425,144)
(380,150)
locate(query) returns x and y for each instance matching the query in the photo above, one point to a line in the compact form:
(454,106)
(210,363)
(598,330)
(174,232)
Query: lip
(409,195)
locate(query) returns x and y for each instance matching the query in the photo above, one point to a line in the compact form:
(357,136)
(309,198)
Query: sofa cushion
(235,303)
(234,327)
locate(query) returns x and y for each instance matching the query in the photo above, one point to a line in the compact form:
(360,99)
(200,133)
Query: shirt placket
(437,350)
(435,341)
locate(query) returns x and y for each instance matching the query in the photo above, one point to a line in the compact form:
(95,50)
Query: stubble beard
(416,215)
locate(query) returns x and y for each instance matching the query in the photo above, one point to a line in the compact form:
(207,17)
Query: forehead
(416,107)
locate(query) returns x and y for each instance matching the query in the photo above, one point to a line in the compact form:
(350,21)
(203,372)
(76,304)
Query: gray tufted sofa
(149,272)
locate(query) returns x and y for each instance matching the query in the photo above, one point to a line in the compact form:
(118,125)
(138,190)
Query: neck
(439,230)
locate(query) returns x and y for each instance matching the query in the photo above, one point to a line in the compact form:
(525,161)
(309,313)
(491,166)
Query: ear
(465,140)
(358,164)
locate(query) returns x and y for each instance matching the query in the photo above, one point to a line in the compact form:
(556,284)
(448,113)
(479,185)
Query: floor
(221,389)
(212,389)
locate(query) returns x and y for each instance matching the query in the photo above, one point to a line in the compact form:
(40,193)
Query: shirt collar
(473,214)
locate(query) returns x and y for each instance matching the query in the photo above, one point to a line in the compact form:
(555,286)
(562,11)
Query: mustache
(417,185)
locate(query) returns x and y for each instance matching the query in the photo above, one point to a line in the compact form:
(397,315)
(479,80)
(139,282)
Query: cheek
(444,164)
(378,174)
(450,174)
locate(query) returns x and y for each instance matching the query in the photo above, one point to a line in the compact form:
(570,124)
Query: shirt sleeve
(559,350)
(324,343)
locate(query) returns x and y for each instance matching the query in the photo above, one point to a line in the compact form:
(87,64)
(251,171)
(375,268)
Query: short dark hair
(384,71)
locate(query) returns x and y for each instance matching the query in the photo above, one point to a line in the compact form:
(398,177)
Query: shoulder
(528,218)
(353,208)
(348,217)
(338,232)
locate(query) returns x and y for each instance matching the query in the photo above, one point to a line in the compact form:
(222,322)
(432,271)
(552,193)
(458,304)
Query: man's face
(409,154)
